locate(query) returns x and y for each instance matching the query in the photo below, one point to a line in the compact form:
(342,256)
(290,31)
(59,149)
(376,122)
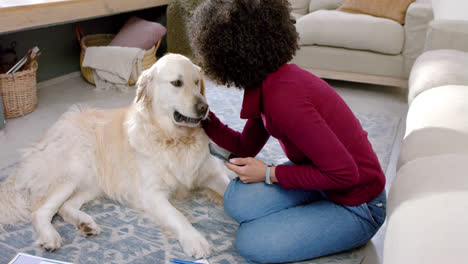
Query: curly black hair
(239,42)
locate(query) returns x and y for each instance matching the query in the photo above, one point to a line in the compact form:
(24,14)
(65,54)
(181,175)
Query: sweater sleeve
(332,166)
(247,143)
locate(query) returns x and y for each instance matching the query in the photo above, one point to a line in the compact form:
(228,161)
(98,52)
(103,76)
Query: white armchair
(359,47)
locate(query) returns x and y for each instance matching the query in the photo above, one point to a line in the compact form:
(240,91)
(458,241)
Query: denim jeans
(277,225)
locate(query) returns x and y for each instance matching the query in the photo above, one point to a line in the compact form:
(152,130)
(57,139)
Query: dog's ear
(202,80)
(202,83)
(143,93)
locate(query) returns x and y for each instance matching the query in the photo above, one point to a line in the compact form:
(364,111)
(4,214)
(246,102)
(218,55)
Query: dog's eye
(177,83)
(197,82)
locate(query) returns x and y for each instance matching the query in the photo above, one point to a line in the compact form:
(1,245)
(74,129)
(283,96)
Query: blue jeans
(278,225)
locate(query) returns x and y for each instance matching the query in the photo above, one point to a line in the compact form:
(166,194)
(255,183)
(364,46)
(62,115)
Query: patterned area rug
(127,237)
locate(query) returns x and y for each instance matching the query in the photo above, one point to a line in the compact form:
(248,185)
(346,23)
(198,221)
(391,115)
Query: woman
(330,197)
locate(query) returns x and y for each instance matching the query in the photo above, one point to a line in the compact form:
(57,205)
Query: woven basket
(103,40)
(19,92)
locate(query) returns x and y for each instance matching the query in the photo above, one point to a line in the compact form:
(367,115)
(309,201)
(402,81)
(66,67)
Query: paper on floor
(22,258)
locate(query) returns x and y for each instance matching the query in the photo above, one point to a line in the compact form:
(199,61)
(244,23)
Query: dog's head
(174,87)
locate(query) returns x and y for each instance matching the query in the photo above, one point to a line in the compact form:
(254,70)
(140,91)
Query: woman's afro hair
(239,42)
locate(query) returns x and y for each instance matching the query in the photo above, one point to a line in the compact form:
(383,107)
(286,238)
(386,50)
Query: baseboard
(59,79)
(359,77)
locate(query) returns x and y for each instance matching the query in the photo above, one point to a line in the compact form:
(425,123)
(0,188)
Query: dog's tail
(14,207)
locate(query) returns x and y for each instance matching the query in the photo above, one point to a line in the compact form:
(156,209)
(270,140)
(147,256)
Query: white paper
(22,258)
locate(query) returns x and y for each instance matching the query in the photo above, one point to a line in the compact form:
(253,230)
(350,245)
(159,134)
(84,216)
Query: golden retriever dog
(139,156)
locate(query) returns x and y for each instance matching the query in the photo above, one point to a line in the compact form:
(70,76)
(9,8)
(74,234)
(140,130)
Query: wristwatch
(267,176)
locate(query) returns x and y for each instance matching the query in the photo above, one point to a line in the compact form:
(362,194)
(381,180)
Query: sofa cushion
(436,124)
(436,68)
(324,4)
(427,212)
(353,31)
(349,61)
(392,9)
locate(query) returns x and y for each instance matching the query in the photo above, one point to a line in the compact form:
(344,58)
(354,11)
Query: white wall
(450,9)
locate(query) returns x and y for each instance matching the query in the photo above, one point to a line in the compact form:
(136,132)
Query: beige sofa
(359,47)
(427,211)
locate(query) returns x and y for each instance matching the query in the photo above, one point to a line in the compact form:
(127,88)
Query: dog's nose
(201,108)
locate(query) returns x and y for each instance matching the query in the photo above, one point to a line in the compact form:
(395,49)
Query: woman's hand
(249,170)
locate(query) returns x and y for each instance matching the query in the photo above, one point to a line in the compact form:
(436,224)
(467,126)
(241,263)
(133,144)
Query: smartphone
(220,153)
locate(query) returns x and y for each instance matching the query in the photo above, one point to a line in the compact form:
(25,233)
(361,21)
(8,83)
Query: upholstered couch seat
(427,212)
(360,32)
(437,123)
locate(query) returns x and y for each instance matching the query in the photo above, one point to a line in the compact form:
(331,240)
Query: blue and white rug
(127,237)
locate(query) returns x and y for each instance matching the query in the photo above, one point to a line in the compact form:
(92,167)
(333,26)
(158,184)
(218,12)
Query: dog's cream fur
(138,156)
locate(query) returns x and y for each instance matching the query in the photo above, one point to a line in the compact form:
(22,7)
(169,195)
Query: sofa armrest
(418,17)
(447,34)
(299,7)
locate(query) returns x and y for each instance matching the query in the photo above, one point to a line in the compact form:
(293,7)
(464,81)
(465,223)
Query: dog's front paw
(195,245)
(89,228)
(50,240)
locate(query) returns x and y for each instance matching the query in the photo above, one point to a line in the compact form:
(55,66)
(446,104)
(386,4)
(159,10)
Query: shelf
(18,15)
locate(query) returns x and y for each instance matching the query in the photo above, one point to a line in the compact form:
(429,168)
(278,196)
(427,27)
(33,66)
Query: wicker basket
(19,92)
(103,40)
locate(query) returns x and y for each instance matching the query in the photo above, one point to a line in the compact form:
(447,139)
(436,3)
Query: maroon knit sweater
(317,131)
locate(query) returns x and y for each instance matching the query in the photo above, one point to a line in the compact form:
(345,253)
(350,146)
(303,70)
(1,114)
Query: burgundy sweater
(315,128)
